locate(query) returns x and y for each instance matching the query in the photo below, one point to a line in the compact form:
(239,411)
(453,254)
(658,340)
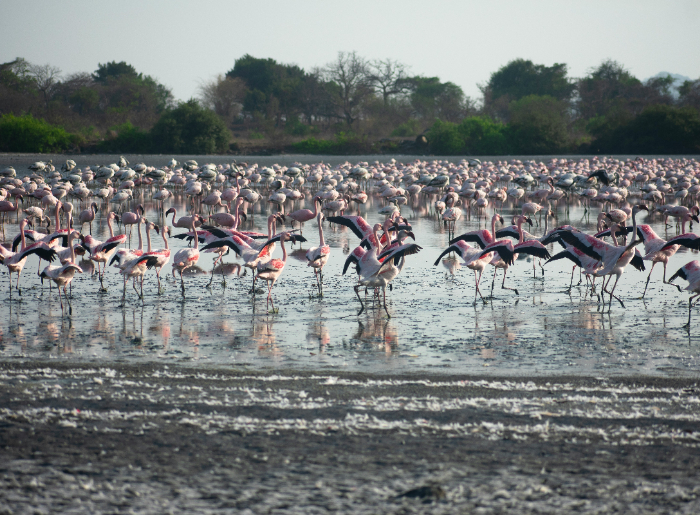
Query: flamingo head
(528,220)
(642,207)
(242,215)
(171,210)
(499,218)
(157,228)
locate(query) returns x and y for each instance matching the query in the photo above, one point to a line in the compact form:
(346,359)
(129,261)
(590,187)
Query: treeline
(351,105)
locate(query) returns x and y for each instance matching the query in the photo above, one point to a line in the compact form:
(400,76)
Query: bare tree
(47,79)
(224,96)
(388,77)
(350,84)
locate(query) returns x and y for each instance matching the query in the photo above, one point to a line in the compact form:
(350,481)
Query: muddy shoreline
(148,438)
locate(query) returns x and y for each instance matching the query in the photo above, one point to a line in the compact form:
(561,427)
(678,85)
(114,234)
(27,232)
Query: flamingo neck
(493,227)
(21,232)
(322,242)
(109,225)
(316,203)
(520,229)
(58,218)
(165,238)
(284,251)
(270,223)
(148,238)
(196,237)
(174,213)
(140,237)
(72,248)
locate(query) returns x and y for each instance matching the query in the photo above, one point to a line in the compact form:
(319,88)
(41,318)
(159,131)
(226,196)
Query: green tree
(609,87)
(114,70)
(484,136)
(432,99)
(659,129)
(190,129)
(538,125)
(521,78)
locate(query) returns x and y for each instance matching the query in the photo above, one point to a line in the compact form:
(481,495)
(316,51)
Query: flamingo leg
(182,283)
(493,281)
(476,285)
(356,288)
(385,308)
(615,296)
(503,284)
(653,264)
(690,306)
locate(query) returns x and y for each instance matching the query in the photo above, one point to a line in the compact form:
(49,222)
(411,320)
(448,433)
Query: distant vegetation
(348,106)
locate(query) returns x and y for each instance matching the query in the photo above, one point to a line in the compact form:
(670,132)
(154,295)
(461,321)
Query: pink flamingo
(186,258)
(271,270)
(87,216)
(130,219)
(15,261)
(163,255)
(100,252)
(317,257)
(185,221)
(691,273)
(7,207)
(304,215)
(63,275)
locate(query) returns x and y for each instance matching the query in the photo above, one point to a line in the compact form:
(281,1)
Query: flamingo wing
(356,224)
(638,261)
(397,253)
(481,238)
(566,254)
(354,257)
(43,251)
(689,240)
(504,249)
(589,245)
(225,242)
(457,248)
(532,248)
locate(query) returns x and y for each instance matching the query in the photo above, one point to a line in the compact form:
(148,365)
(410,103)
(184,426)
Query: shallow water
(434,325)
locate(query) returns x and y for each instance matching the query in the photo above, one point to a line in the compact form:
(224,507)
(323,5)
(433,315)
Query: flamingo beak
(529,220)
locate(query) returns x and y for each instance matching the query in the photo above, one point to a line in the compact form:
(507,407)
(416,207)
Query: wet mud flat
(151,438)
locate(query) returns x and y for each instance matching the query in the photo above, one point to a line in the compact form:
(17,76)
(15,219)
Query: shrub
(128,139)
(190,129)
(27,134)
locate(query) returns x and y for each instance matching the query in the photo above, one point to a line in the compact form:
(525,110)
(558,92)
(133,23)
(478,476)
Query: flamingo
(376,271)
(163,255)
(472,259)
(614,259)
(318,256)
(186,258)
(15,261)
(304,215)
(691,273)
(130,219)
(507,252)
(100,252)
(63,275)
(87,216)
(7,207)
(123,256)
(185,221)
(271,270)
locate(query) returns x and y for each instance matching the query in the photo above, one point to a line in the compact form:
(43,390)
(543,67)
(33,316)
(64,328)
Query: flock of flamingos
(219,199)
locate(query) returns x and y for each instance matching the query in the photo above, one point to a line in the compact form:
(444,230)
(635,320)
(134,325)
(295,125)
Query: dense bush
(27,134)
(126,138)
(657,130)
(190,129)
(538,125)
(473,136)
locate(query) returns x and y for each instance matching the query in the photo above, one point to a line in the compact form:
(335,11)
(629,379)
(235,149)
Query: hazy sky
(183,44)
